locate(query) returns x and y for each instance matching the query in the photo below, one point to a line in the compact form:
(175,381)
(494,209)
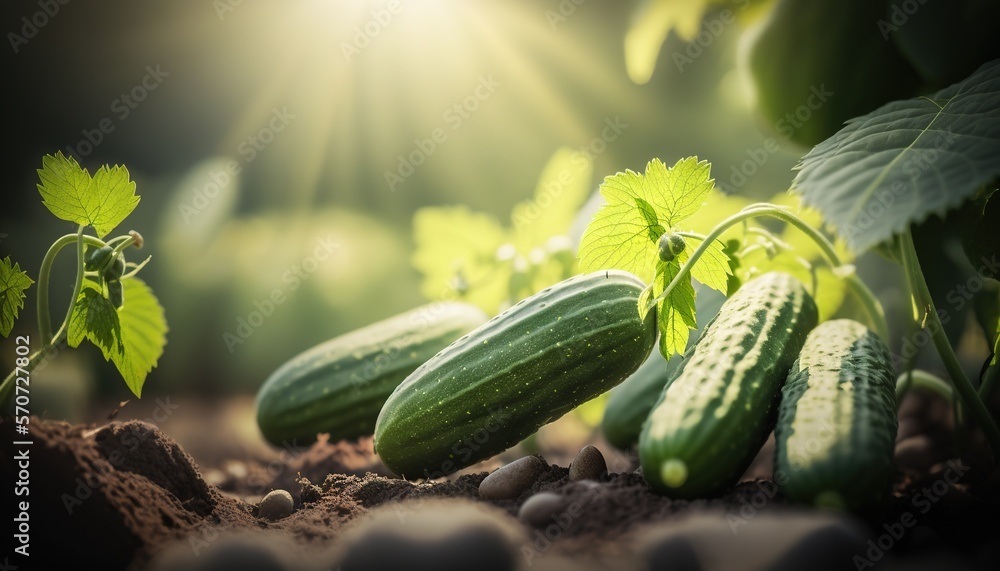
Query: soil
(124,495)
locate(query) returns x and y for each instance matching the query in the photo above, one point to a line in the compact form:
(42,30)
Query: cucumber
(338,386)
(715,415)
(836,428)
(630,402)
(524,368)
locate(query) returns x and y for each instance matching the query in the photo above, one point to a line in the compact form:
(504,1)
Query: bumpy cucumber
(630,402)
(339,386)
(836,426)
(524,368)
(715,415)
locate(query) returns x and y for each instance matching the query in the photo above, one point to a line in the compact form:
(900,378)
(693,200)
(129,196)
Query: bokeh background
(316,101)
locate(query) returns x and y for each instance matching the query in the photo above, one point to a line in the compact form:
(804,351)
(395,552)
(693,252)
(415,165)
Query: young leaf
(637,206)
(132,337)
(712,269)
(906,160)
(625,232)
(69,192)
(13,282)
(676,313)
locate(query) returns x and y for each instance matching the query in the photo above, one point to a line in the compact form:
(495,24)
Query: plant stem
(868,299)
(49,341)
(922,299)
(923,380)
(44,320)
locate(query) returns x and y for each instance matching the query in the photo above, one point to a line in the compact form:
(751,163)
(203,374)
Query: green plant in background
(109,306)
(471,256)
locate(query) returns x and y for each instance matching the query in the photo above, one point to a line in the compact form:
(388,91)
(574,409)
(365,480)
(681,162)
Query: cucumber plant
(109,305)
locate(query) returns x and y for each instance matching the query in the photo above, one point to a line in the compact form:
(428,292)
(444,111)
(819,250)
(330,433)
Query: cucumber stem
(44,320)
(857,287)
(922,299)
(49,341)
(923,380)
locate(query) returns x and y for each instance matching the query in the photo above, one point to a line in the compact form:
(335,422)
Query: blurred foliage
(561,82)
(470,256)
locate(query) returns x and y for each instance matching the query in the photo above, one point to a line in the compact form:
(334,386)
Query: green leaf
(618,238)
(676,312)
(713,267)
(564,185)
(70,193)
(906,160)
(455,241)
(636,207)
(653,226)
(132,337)
(13,282)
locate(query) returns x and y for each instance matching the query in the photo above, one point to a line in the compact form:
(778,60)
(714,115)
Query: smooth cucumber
(524,368)
(339,386)
(836,428)
(715,415)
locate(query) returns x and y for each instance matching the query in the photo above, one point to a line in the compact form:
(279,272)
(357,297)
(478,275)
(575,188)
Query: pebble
(916,453)
(589,464)
(433,535)
(537,510)
(276,505)
(510,481)
(908,427)
(785,540)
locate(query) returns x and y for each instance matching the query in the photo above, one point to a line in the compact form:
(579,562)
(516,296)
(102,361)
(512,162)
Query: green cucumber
(836,428)
(630,402)
(339,386)
(524,368)
(715,415)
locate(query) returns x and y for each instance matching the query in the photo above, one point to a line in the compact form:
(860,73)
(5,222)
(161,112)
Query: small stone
(510,481)
(537,511)
(433,535)
(908,427)
(276,505)
(589,464)
(916,453)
